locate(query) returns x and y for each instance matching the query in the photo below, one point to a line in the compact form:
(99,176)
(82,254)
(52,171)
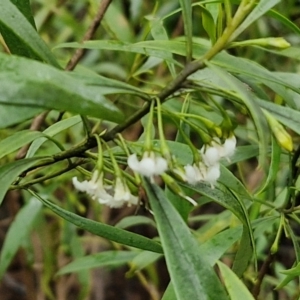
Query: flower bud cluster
(112,196)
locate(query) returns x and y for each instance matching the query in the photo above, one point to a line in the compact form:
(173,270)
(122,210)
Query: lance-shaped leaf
(30,83)
(10,172)
(18,231)
(106,231)
(20,36)
(191,274)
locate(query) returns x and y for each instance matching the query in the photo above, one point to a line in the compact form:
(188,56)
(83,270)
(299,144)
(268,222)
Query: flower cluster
(103,193)
(208,170)
(150,164)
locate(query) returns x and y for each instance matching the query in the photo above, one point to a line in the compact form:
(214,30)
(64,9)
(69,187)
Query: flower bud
(282,136)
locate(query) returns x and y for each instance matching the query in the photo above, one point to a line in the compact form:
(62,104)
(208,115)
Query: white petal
(121,191)
(133,162)
(210,156)
(80,186)
(213,173)
(147,166)
(191,174)
(161,165)
(229,146)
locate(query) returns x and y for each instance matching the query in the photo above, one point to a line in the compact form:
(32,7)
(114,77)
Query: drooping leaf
(33,84)
(186,6)
(260,9)
(234,285)
(52,131)
(17,140)
(18,231)
(248,100)
(20,36)
(99,260)
(106,231)
(183,256)
(11,115)
(25,9)
(10,172)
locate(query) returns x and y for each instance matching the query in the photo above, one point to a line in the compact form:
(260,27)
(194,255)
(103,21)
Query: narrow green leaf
(244,253)
(143,260)
(106,231)
(120,46)
(284,20)
(248,99)
(99,260)
(25,9)
(216,246)
(186,6)
(159,32)
(169,293)
(118,24)
(208,23)
(221,195)
(17,140)
(182,253)
(11,115)
(135,221)
(25,81)
(260,9)
(18,231)
(10,172)
(52,131)
(20,36)
(235,287)
(274,166)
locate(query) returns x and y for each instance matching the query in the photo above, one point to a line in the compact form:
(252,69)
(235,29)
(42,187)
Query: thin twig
(88,35)
(262,272)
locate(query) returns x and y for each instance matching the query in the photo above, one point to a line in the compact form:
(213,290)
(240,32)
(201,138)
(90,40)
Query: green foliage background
(222,60)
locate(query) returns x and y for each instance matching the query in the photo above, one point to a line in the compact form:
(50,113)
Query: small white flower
(227,149)
(149,165)
(195,173)
(210,155)
(103,193)
(212,174)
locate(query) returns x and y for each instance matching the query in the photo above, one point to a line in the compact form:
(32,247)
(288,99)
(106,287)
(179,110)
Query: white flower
(210,155)
(149,165)
(195,173)
(227,149)
(212,174)
(103,193)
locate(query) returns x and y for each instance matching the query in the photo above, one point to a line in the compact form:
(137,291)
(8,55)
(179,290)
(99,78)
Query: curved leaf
(98,260)
(20,36)
(33,84)
(183,256)
(17,140)
(10,172)
(106,231)
(18,231)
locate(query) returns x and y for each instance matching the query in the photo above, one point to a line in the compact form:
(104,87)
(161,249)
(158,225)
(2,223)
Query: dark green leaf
(20,36)
(18,231)
(106,231)
(10,172)
(99,260)
(33,84)
(183,256)
(17,140)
